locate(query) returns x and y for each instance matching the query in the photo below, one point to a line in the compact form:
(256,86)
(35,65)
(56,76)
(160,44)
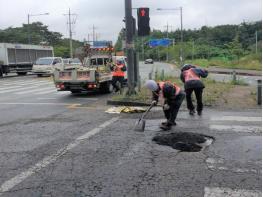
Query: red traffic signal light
(143,21)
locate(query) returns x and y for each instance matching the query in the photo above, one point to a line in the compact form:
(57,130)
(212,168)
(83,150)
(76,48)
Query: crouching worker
(173,97)
(118,73)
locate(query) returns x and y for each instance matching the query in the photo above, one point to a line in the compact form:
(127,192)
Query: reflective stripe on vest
(118,72)
(190,75)
(177,88)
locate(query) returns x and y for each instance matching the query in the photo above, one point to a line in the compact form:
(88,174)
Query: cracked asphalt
(58,150)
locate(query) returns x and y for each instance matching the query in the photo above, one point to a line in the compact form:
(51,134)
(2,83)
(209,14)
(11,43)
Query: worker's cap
(187,67)
(151,85)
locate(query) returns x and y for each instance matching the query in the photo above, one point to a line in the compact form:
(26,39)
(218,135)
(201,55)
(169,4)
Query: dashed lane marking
(223,192)
(8,185)
(237,118)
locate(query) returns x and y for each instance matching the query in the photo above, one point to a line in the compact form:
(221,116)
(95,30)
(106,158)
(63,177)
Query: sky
(107,15)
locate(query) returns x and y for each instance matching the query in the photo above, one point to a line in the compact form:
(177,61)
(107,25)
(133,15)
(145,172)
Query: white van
(47,65)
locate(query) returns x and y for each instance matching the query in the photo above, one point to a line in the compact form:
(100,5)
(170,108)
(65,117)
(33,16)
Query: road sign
(159,42)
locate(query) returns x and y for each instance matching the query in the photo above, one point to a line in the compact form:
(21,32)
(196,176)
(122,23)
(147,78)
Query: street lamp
(181,16)
(28,29)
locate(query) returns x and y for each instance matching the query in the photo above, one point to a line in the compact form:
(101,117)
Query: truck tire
(106,87)
(1,71)
(21,73)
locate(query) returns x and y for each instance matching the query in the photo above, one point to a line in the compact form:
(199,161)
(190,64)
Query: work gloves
(154,103)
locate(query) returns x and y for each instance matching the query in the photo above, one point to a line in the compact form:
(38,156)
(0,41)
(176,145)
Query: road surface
(59,144)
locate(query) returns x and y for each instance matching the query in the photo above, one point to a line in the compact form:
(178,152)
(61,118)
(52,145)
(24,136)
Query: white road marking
(237,118)
(237,128)
(47,98)
(38,103)
(8,185)
(11,87)
(39,89)
(46,92)
(219,164)
(18,89)
(223,192)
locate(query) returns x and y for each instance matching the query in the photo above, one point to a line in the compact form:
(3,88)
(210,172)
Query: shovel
(140,124)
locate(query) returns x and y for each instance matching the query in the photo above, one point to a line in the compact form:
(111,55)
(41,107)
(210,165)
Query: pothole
(184,141)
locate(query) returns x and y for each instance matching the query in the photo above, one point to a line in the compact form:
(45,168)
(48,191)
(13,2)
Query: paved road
(57,144)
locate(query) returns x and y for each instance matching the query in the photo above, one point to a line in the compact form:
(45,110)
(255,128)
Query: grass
(212,92)
(249,62)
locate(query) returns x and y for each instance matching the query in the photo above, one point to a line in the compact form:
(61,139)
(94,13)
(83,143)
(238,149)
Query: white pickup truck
(47,65)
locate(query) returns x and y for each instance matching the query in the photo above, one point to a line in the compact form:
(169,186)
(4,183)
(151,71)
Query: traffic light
(143,21)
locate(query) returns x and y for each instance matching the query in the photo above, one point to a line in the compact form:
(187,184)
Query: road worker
(118,73)
(173,97)
(190,75)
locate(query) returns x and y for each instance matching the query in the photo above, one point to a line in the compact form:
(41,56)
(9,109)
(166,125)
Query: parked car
(148,61)
(47,65)
(73,61)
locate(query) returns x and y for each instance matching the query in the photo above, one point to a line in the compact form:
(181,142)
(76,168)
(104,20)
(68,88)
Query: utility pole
(193,49)
(256,42)
(142,49)
(181,48)
(167,35)
(93,33)
(70,35)
(129,46)
(70,23)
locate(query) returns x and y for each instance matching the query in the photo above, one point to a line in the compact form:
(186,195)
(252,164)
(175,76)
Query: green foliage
(224,46)
(39,34)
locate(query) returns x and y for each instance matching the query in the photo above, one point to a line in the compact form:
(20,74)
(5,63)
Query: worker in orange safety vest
(191,75)
(118,73)
(173,97)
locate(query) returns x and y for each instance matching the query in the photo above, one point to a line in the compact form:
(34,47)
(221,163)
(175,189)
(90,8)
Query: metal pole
(256,42)
(167,45)
(181,49)
(142,49)
(28,30)
(129,46)
(70,35)
(93,34)
(193,49)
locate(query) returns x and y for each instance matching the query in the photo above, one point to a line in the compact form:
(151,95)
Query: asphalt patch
(184,141)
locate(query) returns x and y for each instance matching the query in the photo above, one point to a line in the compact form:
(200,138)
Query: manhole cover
(184,141)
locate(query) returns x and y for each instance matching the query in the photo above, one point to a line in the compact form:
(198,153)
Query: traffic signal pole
(129,47)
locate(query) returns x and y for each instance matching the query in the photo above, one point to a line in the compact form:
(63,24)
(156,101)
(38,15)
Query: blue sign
(102,43)
(159,42)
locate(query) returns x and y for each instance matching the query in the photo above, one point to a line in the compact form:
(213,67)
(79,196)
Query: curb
(231,72)
(126,103)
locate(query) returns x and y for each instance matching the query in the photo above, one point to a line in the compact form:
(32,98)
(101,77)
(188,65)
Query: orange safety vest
(118,72)
(177,88)
(190,75)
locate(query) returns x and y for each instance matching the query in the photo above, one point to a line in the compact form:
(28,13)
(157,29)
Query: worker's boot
(166,127)
(199,113)
(192,112)
(166,123)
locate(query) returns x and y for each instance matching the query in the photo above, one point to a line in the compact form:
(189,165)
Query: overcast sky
(107,15)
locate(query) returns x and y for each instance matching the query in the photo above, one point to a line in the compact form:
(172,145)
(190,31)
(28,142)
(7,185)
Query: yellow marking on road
(73,106)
